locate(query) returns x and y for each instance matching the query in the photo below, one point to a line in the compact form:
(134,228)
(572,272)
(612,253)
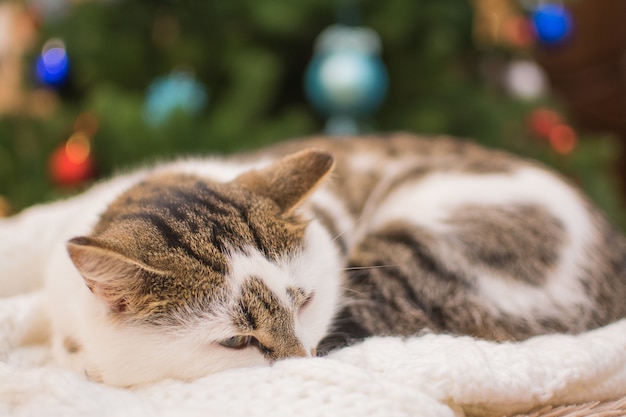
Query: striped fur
(234,262)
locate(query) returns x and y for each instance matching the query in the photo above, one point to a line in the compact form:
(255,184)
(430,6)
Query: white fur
(431,201)
(316,269)
(362,163)
(126,356)
(335,207)
(214,168)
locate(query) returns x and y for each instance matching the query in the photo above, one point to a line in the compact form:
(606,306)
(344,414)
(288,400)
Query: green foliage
(251,56)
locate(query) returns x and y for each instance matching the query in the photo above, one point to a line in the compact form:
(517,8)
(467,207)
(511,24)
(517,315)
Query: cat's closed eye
(244,341)
(238,342)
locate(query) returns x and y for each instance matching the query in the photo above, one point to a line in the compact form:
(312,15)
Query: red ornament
(542,121)
(71,164)
(548,124)
(563,139)
(518,32)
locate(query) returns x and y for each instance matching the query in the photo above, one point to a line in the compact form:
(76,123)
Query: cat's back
(525,250)
(363,164)
(397,151)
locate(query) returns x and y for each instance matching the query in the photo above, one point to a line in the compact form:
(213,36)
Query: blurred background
(90,87)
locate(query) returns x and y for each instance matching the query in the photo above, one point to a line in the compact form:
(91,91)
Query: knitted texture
(431,375)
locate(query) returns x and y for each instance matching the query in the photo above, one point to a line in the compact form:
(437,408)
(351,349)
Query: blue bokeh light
(178,90)
(346,83)
(552,23)
(346,79)
(53,66)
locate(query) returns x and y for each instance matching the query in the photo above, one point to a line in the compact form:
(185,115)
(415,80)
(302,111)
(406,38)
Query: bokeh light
(77,148)
(552,23)
(53,64)
(563,139)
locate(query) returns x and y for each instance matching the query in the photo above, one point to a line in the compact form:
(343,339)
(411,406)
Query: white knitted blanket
(421,376)
(392,377)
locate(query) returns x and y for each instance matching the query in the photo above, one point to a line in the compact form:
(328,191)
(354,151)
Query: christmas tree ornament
(176,91)
(53,65)
(17,33)
(562,139)
(492,20)
(5,207)
(549,125)
(552,23)
(72,164)
(518,32)
(542,120)
(346,79)
(525,79)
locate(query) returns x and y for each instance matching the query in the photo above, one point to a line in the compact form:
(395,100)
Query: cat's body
(198,266)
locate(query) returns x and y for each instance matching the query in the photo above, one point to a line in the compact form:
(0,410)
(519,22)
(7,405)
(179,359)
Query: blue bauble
(53,64)
(177,91)
(346,82)
(346,79)
(552,22)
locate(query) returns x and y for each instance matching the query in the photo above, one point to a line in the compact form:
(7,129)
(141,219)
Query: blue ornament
(53,64)
(346,79)
(177,91)
(552,22)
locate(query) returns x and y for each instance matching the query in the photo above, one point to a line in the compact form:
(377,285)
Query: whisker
(340,234)
(351,290)
(348,230)
(356,268)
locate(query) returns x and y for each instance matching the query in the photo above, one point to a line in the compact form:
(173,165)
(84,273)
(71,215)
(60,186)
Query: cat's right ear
(107,273)
(290,180)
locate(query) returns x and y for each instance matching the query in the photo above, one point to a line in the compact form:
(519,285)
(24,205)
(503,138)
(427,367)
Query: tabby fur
(200,265)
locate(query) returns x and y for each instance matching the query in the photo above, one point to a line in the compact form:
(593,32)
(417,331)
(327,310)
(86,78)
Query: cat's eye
(237,342)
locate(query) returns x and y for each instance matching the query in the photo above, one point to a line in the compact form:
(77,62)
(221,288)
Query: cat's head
(186,277)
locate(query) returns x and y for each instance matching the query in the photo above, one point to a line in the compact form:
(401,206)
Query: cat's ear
(108,274)
(291,179)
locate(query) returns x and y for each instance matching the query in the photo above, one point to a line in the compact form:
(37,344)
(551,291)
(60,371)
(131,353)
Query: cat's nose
(300,352)
(313,352)
(292,350)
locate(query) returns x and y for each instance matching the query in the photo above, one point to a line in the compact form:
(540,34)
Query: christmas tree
(90,87)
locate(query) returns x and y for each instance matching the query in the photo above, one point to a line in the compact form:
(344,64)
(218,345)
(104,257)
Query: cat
(199,265)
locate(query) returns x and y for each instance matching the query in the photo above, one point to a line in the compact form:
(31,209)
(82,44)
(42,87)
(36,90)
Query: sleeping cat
(196,266)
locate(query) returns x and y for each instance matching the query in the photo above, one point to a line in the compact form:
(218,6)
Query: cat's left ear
(108,274)
(290,180)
